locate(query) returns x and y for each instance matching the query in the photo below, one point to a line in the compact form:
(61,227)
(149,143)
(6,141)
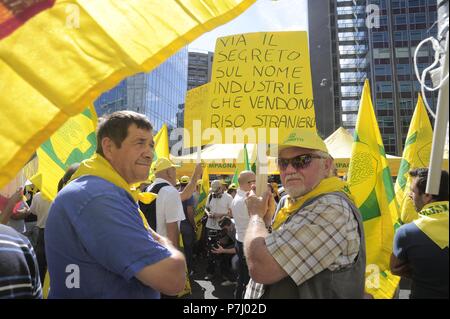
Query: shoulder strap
(156,188)
(208,200)
(149,210)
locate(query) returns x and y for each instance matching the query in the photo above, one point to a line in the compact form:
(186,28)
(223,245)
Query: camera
(212,241)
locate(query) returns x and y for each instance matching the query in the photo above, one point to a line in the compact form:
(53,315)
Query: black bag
(149,210)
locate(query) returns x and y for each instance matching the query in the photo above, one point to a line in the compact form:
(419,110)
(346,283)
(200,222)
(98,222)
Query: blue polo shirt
(95,243)
(429,263)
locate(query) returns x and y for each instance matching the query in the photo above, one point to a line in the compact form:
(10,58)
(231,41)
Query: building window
(382,69)
(384,87)
(400,19)
(405,86)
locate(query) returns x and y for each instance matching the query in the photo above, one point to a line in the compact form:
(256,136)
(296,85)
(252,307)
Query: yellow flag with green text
(63,58)
(72,143)
(371,184)
(199,210)
(415,154)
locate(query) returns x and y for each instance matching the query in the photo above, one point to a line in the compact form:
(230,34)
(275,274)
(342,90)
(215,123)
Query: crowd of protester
(303,238)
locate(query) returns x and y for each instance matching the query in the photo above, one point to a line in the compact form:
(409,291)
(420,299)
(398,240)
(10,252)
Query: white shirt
(218,206)
(40,207)
(240,214)
(168,207)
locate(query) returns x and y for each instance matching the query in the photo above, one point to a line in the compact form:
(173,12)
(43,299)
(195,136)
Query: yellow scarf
(327,185)
(433,221)
(98,166)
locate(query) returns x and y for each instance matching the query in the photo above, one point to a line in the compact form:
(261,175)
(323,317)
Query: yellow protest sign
(194,108)
(260,81)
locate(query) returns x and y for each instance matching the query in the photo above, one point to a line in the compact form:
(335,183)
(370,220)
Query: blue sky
(263,15)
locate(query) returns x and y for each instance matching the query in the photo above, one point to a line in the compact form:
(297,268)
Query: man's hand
(258,205)
(218,250)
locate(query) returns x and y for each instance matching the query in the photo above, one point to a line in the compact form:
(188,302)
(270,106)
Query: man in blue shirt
(420,249)
(97,243)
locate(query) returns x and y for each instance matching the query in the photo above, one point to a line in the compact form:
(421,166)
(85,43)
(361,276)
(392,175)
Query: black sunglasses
(301,161)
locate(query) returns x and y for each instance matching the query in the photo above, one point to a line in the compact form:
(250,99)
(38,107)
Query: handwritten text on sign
(261,80)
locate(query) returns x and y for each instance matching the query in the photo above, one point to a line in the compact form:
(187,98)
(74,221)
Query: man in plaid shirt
(316,248)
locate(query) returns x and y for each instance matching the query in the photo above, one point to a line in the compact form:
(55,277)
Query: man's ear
(327,165)
(107,146)
(427,198)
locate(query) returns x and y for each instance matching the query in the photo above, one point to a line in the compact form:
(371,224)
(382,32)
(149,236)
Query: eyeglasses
(301,161)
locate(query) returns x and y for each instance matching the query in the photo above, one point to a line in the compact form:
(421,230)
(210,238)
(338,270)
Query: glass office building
(403,25)
(373,39)
(156,94)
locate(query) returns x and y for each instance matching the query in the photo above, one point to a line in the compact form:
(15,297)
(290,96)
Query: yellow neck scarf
(327,185)
(98,166)
(433,221)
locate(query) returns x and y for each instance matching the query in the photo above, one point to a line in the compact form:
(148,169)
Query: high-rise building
(199,68)
(373,39)
(199,73)
(156,94)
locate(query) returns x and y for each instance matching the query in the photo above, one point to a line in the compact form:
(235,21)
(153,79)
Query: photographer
(225,250)
(218,205)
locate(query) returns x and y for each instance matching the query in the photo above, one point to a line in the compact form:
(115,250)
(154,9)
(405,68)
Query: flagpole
(261,171)
(440,127)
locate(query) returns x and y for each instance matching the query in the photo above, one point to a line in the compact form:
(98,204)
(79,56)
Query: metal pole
(440,128)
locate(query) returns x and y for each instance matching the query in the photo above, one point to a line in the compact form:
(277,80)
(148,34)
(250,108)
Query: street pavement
(212,289)
(208,289)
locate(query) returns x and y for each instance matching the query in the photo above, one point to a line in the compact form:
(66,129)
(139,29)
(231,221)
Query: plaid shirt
(323,235)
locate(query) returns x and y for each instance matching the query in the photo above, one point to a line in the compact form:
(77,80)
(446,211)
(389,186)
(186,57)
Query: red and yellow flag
(14,13)
(64,57)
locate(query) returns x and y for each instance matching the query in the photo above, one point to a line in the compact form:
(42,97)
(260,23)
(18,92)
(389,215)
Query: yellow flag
(194,110)
(199,210)
(161,143)
(64,57)
(371,184)
(415,154)
(72,143)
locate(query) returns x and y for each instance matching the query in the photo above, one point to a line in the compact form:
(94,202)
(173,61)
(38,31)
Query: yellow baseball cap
(161,164)
(184,179)
(304,138)
(232,186)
